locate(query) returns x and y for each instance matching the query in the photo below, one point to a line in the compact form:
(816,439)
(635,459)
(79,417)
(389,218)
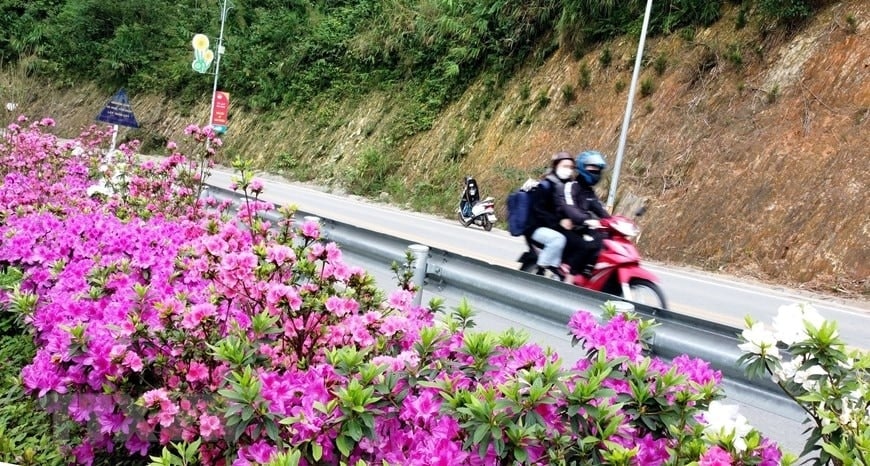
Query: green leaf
(480,433)
(834,451)
(316,451)
(344,444)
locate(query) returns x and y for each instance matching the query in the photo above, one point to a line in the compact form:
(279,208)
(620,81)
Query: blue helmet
(591,158)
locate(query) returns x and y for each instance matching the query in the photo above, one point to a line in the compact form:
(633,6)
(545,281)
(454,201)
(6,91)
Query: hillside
(750,147)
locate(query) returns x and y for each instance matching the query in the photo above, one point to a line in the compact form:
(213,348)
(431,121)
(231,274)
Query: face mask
(594,178)
(564,173)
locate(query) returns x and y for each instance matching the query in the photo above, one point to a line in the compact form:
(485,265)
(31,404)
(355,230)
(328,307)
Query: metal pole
(421,255)
(611,197)
(111,148)
(217,65)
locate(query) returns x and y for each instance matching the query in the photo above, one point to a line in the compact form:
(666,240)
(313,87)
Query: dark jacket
(544,209)
(578,201)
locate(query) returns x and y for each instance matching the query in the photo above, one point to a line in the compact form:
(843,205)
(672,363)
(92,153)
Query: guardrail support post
(421,255)
(623,306)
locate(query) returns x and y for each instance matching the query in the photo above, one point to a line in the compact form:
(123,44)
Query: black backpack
(521,207)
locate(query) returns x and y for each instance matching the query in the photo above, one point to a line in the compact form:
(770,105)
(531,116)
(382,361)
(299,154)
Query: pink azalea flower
(114,422)
(311,230)
(770,453)
(400,299)
(333,253)
(84,453)
(197,372)
(166,415)
(210,426)
(138,445)
(279,254)
(155,397)
(715,456)
(259,452)
(133,361)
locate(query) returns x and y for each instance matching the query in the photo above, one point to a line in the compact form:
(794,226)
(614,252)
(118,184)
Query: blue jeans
(554,244)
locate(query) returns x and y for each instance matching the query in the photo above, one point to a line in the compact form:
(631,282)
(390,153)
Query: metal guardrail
(554,301)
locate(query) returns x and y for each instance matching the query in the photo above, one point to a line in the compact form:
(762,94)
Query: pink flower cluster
(159,321)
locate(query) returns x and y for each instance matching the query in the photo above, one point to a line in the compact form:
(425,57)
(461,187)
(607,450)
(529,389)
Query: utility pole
(217,64)
(611,198)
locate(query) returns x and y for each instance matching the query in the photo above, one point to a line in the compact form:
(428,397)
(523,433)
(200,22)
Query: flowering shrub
(815,368)
(196,335)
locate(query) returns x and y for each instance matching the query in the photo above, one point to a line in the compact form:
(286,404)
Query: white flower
(759,341)
(724,421)
(790,323)
(100,188)
(846,415)
(786,370)
(803,377)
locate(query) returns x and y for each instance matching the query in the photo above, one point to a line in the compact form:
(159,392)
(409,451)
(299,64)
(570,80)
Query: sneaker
(551,272)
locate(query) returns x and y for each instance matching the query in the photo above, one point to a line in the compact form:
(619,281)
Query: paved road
(689,292)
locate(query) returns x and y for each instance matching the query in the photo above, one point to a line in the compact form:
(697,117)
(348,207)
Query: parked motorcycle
(618,270)
(473,210)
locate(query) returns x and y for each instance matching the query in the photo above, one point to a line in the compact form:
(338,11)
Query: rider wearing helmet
(590,164)
(580,208)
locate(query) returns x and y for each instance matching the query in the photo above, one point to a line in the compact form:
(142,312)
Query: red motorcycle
(618,270)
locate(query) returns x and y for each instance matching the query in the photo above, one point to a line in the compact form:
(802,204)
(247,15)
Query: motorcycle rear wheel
(487,225)
(646,292)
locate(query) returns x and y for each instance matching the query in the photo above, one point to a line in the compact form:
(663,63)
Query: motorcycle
(473,210)
(618,270)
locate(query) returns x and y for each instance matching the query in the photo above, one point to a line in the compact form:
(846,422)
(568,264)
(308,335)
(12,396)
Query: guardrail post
(421,255)
(623,306)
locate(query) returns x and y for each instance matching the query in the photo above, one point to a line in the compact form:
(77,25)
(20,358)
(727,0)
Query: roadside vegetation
(302,52)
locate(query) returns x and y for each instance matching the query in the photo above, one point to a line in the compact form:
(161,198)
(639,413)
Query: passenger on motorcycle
(579,209)
(545,229)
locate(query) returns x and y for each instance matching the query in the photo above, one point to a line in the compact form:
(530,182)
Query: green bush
(660,64)
(606,57)
(371,171)
(568,93)
(585,78)
(647,87)
(619,86)
(787,11)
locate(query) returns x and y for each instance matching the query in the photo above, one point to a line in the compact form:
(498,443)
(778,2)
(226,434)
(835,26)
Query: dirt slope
(752,150)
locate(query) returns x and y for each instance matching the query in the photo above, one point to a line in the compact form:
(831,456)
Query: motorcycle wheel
(462,220)
(487,225)
(646,292)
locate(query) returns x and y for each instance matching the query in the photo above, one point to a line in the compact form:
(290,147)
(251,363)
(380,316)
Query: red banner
(221,108)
